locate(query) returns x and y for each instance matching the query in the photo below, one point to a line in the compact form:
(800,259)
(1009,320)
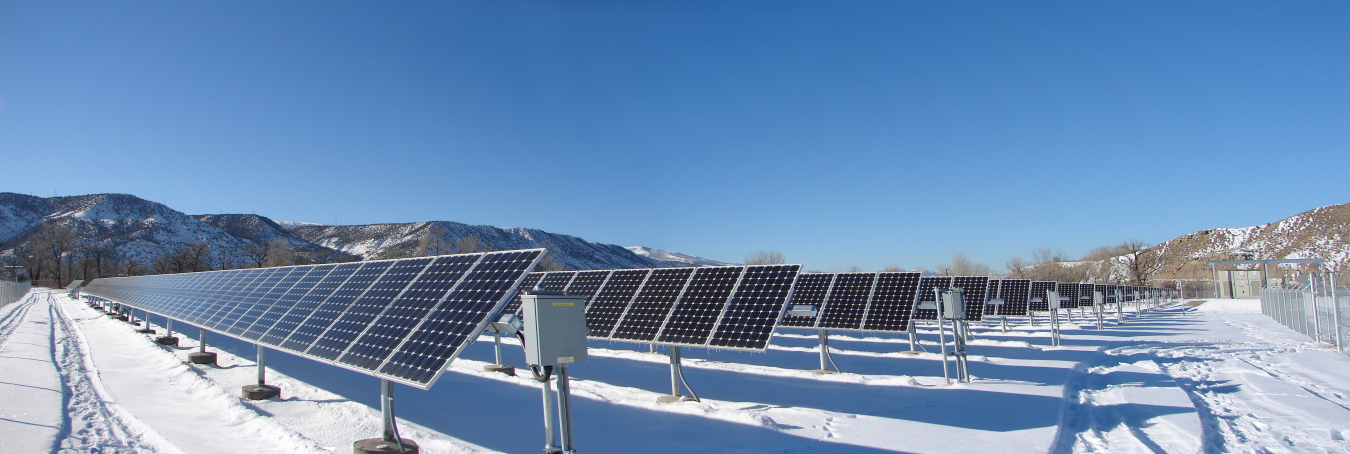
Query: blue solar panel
(760,299)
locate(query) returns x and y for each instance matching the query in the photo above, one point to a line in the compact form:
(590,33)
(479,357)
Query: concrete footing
(376,445)
(673,399)
(910,353)
(202,358)
(166,340)
(146,331)
(261,392)
(508,370)
(823,371)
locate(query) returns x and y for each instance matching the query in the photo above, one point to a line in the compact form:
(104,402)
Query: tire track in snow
(14,319)
(94,423)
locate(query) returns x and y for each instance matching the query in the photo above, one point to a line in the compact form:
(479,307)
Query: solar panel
(892,302)
(1111,293)
(990,295)
(532,279)
(1015,293)
(648,311)
(927,292)
(611,300)
(760,299)
(1068,295)
(586,283)
(402,320)
(811,290)
(692,321)
(1038,290)
(847,303)
(557,281)
(974,289)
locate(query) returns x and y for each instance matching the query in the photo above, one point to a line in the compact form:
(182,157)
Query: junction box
(554,328)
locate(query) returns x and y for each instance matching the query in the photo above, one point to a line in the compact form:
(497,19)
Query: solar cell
(928,286)
(1068,295)
(586,283)
(653,303)
(847,302)
(1015,293)
(811,290)
(892,302)
(358,315)
(1038,290)
(611,300)
(974,289)
(407,310)
(701,304)
(759,301)
(442,335)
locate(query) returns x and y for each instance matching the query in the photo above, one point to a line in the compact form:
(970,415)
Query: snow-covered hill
(293,224)
(674,258)
(255,228)
(385,240)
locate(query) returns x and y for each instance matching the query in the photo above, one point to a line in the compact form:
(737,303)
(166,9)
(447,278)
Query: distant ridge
(674,258)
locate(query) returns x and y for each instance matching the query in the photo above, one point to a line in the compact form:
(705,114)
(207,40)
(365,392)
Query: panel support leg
(167,338)
(201,356)
(565,410)
(389,441)
(145,316)
(676,379)
(942,342)
(497,350)
(825,359)
(262,390)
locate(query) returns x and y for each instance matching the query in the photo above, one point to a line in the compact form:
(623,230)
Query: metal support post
(1054,328)
(825,359)
(497,346)
(675,371)
(942,340)
(1336,313)
(387,413)
(913,335)
(262,365)
(549,446)
(565,410)
(201,340)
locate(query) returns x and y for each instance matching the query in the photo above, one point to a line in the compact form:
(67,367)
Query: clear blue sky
(840,133)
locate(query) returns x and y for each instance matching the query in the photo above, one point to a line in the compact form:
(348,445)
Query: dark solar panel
(230,297)
(304,307)
(1068,295)
(704,298)
(652,305)
(357,316)
(405,312)
(513,306)
(760,298)
(1014,293)
(973,290)
(464,313)
(892,302)
(259,301)
(303,338)
(557,280)
(586,283)
(847,302)
(990,295)
(928,287)
(611,300)
(287,301)
(1038,290)
(811,290)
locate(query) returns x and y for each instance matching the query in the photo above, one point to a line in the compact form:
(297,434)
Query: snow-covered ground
(1217,378)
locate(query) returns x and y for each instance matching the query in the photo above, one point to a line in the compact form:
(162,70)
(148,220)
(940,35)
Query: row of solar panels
(729,307)
(403,320)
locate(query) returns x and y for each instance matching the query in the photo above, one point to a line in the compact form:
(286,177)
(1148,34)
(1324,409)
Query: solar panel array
(856,301)
(811,290)
(927,292)
(402,320)
(973,290)
(733,307)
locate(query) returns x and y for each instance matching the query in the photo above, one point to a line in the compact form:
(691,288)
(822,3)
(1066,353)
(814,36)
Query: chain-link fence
(1312,309)
(11,291)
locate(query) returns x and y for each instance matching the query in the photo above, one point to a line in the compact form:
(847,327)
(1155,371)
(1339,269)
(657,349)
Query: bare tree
(189,258)
(764,258)
(256,254)
(470,244)
(279,252)
(1141,260)
(892,268)
(103,257)
(52,243)
(963,266)
(1016,268)
(550,260)
(435,241)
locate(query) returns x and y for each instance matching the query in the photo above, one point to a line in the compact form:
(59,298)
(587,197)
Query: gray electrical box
(554,328)
(1052,297)
(1098,299)
(953,304)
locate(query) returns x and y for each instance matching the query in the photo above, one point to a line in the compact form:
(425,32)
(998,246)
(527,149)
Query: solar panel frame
(757,308)
(974,289)
(694,317)
(598,313)
(587,284)
(1068,295)
(650,308)
(928,286)
(990,295)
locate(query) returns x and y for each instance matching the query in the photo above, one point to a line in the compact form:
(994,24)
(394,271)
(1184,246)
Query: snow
(1220,377)
(674,258)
